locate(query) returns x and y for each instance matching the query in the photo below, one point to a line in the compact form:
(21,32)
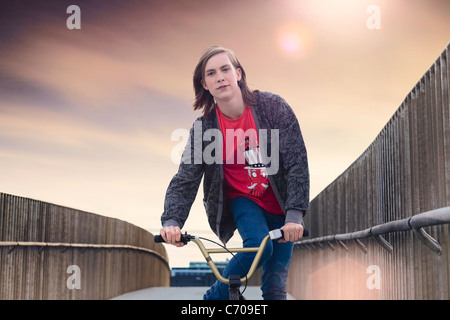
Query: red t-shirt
(244,174)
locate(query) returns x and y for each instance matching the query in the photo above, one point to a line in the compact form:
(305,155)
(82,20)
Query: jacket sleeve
(183,187)
(295,163)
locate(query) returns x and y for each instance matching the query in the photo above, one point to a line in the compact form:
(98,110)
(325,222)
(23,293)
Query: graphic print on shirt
(257,173)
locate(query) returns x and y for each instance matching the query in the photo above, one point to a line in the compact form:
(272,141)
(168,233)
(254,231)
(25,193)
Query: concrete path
(182,293)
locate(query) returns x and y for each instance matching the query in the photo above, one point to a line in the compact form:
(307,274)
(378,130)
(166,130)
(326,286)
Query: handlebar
(185,238)
(273,235)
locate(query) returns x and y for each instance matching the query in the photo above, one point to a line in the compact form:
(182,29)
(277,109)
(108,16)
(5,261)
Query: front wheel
(234,293)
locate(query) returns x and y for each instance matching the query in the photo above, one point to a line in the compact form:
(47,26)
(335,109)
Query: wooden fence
(53,252)
(404,172)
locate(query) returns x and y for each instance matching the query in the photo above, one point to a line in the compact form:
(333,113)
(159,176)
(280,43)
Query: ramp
(183,293)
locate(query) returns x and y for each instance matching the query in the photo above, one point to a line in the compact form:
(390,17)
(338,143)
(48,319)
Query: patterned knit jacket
(288,173)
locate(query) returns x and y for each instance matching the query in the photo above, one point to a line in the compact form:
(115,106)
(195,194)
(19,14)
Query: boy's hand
(172,235)
(292,232)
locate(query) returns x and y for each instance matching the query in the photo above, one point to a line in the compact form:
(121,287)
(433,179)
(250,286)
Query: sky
(86,115)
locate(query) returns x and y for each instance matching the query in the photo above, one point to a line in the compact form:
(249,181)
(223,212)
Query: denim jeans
(253,224)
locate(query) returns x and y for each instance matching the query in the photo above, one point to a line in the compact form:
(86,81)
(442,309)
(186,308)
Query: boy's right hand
(172,235)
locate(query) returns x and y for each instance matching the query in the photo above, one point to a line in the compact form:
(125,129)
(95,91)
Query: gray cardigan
(289,174)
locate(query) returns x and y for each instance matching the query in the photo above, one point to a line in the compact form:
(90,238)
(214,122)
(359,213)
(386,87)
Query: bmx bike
(234,281)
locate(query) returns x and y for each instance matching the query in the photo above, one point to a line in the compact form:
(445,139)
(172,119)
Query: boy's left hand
(292,232)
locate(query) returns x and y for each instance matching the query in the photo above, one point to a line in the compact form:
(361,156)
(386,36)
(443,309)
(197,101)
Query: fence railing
(416,223)
(53,252)
(403,173)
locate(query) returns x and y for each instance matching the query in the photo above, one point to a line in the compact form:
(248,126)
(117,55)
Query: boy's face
(221,78)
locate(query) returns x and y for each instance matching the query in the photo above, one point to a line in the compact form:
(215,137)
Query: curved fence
(403,173)
(53,252)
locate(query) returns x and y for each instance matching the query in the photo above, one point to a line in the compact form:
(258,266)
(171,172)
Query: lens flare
(294,41)
(290,42)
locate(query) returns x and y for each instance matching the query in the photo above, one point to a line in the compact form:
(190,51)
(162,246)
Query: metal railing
(11,245)
(415,223)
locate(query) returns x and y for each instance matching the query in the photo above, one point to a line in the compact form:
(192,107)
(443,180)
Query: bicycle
(234,281)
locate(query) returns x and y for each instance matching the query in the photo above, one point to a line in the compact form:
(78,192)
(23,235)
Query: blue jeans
(253,224)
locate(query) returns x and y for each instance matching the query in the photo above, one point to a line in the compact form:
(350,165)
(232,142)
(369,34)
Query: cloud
(72,161)
(86,115)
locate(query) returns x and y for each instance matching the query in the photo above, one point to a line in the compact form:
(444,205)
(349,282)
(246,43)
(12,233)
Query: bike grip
(278,233)
(159,239)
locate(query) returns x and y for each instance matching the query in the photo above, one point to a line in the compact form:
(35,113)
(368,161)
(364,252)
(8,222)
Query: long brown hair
(203,98)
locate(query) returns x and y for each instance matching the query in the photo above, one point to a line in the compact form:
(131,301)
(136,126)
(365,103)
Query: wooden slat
(39,241)
(405,171)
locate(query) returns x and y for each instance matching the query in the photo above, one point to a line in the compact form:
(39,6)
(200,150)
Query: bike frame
(234,281)
(206,251)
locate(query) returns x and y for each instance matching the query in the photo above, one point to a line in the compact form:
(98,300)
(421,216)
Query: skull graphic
(258,181)
(256,169)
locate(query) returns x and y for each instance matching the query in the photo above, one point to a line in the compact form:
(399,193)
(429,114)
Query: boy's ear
(239,74)
(204,85)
